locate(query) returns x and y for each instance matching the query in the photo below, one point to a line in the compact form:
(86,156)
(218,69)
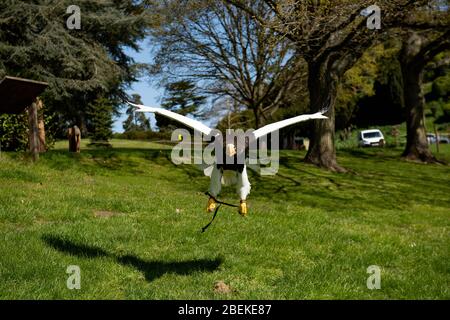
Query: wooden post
(74,135)
(33,130)
(41,126)
(70,138)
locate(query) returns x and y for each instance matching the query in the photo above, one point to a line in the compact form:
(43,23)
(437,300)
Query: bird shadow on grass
(151,269)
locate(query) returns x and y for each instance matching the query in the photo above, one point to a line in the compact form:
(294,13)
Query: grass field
(131,221)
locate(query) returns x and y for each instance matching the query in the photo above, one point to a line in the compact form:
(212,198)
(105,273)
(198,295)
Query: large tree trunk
(416,143)
(259,116)
(256,116)
(412,70)
(322,91)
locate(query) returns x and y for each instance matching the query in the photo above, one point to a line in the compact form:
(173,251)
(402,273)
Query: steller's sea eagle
(227,169)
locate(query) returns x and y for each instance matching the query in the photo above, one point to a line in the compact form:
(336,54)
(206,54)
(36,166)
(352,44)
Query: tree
(180,97)
(226,52)
(13,132)
(427,34)
(437,75)
(79,64)
(331,37)
(100,113)
(364,88)
(136,121)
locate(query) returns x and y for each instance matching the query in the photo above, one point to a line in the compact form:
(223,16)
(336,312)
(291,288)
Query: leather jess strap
(217,209)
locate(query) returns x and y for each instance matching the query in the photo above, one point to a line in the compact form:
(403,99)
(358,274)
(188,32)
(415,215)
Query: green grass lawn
(131,221)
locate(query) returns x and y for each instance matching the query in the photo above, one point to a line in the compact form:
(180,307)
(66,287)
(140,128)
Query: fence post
(33,131)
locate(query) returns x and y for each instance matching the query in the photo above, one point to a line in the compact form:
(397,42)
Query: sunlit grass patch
(310,233)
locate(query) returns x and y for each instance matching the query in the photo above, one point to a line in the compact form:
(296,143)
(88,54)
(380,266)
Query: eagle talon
(211,205)
(243,211)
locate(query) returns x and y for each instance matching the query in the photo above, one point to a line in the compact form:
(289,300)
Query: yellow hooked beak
(230,150)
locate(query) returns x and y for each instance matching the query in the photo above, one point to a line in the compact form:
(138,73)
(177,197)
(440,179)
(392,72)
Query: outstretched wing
(191,123)
(284,123)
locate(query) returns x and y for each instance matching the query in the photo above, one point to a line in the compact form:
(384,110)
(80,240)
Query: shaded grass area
(310,233)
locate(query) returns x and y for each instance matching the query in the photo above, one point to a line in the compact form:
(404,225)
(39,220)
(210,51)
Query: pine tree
(36,43)
(181,97)
(136,121)
(100,113)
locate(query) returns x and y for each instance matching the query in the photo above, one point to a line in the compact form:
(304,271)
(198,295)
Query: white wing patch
(191,123)
(284,123)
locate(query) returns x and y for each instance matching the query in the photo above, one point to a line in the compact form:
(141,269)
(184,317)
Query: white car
(370,138)
(431,137)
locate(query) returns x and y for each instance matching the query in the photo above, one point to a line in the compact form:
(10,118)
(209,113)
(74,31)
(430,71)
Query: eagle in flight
(229,167)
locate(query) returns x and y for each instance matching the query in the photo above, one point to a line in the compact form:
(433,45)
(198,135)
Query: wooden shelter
(18,94)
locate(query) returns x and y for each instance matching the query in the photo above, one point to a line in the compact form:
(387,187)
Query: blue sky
(150,93)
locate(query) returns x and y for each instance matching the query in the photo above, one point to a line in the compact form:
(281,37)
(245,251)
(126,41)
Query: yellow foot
(211,205)
(243,211)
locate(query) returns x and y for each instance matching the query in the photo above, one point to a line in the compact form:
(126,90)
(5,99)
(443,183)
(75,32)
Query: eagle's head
(230,150)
